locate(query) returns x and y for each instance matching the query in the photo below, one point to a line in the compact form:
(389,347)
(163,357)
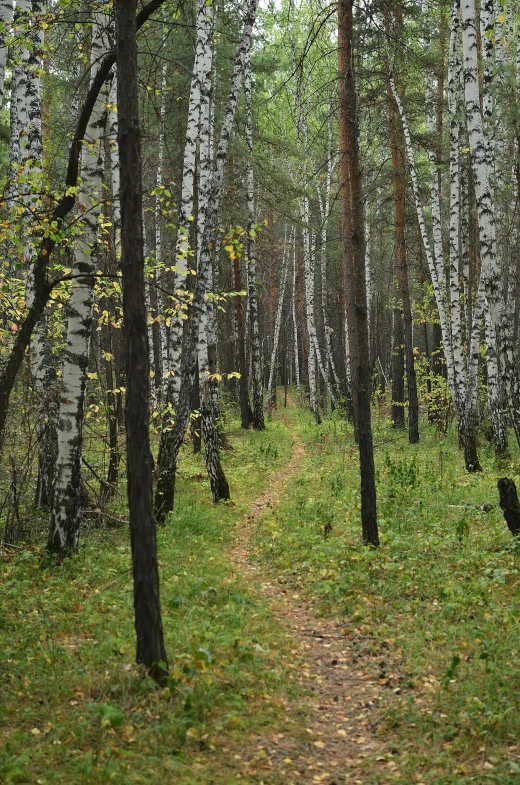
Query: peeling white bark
(482,166)
(438,283)
(295,324)
(6,17)
(66,511)
(278,320)
(200,84)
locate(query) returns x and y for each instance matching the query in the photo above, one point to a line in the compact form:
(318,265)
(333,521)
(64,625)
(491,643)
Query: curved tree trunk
(271,399)
(433,265)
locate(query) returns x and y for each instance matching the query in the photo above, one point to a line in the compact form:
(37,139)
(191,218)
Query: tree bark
(150,649)
(354,253)
(397,150)
(256,368)
(66,508)
(42,286)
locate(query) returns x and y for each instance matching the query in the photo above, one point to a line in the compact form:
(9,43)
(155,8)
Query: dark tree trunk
(354,258)
(246,414)
(398,419)
(401,265)
(217,478)
(196,421)
(509,504)
(113,406)
(148,624)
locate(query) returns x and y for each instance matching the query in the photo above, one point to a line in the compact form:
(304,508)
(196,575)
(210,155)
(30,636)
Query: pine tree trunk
(351,196)
(401,264)
(398,419)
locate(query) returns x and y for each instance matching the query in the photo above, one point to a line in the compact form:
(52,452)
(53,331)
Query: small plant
(403,476)
(462,530)
(268,450)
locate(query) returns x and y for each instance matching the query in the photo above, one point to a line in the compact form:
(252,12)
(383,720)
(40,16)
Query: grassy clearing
(74,707)
(442,594)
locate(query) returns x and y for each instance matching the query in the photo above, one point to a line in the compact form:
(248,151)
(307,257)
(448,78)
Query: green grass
(74,707)
(441,597)
(436,609)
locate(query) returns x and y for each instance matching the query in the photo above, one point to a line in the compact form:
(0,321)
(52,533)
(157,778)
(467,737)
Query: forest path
(331,732)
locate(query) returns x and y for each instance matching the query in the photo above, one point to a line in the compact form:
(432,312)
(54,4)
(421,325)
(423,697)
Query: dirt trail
(332,732)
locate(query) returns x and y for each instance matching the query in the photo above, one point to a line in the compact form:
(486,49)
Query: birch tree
(482,166)
(171,441)
(201,72)
(256,369)
(295,323)
(6,16)
(66,510)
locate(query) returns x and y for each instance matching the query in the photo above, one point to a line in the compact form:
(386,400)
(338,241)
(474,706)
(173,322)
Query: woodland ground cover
(75,708)
(441,594)
(435,609)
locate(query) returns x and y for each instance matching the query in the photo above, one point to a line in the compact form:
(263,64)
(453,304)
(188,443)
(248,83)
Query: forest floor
(333,722)
(296,655)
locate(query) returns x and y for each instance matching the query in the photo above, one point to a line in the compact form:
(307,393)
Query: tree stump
(510,504)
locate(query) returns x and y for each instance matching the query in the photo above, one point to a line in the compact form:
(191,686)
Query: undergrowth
(440,597)
(434,610)
(75,708)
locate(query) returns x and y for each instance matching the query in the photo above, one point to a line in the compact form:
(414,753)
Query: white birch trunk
(26,98)
(278,322)
(66,511)
(438,283)
(256,367)
(207,324)
(6,17)
(295,325)
(220,488)
(482,166)
(201,74)
(324,212)
(454,88)
(308,273)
